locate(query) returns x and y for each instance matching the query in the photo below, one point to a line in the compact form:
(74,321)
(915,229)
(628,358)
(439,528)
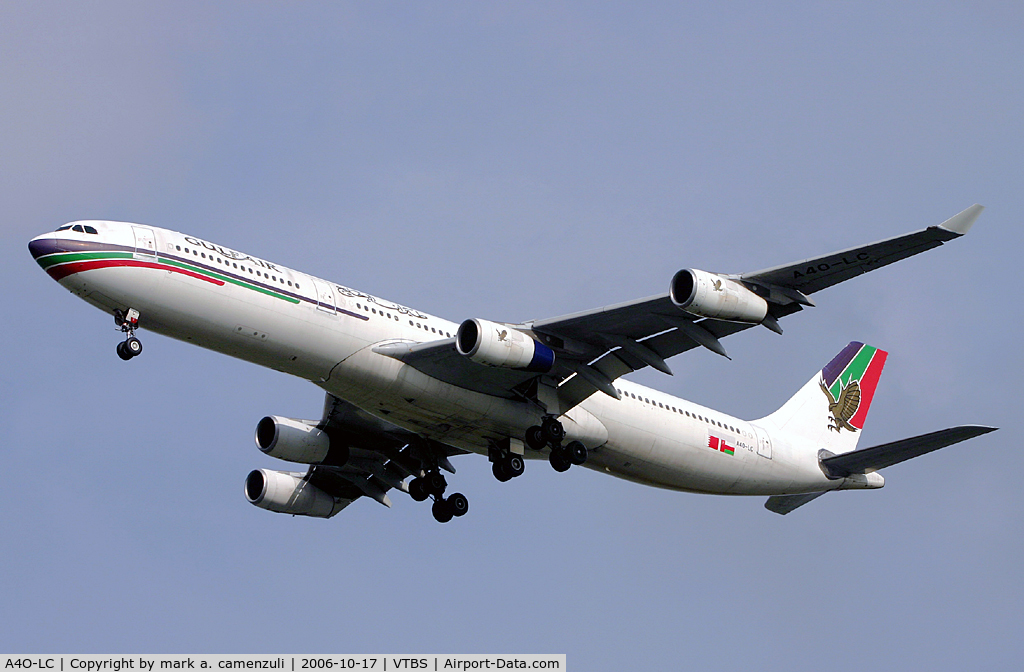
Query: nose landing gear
(128,322)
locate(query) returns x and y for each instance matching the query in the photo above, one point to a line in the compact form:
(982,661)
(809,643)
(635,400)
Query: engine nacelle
(286,492)
(500,345)
(298,441)
(711,295)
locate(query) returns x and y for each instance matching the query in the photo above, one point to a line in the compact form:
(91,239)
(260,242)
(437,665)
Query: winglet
(961,223)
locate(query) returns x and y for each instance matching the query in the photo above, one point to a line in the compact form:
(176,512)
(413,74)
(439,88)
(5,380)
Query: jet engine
(711,295)
(286,492)
(500,345)
(298,441)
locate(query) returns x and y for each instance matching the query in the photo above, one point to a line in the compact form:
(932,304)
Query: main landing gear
(550,434)
(433,484)
(128,322)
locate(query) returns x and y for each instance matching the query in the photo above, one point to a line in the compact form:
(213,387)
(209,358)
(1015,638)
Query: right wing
(595,347)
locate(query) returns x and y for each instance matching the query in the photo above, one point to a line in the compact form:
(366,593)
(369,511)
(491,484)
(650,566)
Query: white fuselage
(214,297)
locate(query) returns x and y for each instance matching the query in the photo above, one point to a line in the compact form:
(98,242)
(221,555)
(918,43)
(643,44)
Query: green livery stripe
(854,370)
(227,278)
(52,260)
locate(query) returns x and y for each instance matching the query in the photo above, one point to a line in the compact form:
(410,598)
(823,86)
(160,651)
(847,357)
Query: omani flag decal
(716,443)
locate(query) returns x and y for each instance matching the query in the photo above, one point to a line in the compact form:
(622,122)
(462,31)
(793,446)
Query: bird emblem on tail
(844,407)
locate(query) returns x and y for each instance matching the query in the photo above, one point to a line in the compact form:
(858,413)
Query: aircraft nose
(42,245)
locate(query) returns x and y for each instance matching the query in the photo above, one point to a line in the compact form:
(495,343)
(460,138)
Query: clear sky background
(513,162)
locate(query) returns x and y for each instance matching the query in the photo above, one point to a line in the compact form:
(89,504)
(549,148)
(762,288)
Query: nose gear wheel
(128,322)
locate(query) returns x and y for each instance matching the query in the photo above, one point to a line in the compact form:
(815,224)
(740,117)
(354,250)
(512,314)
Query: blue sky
(513,162)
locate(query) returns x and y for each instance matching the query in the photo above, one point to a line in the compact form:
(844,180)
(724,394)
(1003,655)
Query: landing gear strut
(433,484)
(128,322)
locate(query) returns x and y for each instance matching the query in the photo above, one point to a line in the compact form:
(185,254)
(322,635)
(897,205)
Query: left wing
(595,347)
(381,455)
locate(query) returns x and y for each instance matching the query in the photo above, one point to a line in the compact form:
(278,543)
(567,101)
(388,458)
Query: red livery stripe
(868,382)
(64,270)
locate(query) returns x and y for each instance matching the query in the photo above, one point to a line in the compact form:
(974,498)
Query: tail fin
(829,411)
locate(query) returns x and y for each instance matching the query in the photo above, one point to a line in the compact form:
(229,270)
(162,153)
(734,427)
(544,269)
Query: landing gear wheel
(577,452)
(442,511)
(535,438)
(498,469)
(553,430)
(436,483)
(418,490)
(515,466)
(133,346)
(508,467)
(458,504)
(560,460)
(122,353)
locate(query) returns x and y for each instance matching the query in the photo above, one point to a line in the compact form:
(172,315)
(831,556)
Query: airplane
(406,390)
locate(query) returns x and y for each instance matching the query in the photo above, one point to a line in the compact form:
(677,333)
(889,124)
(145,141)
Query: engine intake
(298,441)
(716,296)
(285,492)
(500,345)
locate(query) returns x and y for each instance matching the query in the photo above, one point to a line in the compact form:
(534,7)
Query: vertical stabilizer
(830,410)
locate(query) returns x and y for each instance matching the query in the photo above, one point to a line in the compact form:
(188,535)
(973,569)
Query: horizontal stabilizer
(783,504)
(878,457)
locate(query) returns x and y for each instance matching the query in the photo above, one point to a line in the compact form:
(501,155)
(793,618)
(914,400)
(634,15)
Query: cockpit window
(79,228)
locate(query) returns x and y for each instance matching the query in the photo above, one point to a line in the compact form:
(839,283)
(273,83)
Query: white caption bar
(280,663)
